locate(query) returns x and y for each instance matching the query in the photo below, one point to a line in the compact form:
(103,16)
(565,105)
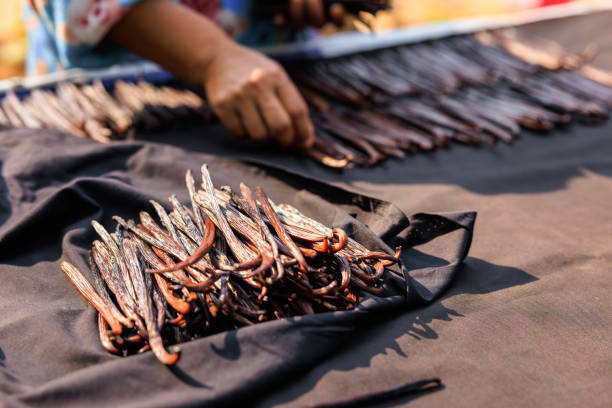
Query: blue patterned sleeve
(68,34)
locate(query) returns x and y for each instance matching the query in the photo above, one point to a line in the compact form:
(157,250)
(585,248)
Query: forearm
(172,35)
(250,93)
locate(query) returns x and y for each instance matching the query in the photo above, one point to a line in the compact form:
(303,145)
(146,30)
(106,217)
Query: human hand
(253,95)
(311,12)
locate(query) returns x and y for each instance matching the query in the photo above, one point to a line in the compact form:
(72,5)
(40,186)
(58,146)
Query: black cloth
(53,185)
(527,321)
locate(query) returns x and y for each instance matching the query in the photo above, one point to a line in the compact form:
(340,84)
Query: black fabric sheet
(53,185)
(527,320)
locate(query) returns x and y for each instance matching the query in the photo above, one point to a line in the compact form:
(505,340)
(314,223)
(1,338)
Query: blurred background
(404,12)
(407,12)
(12,39)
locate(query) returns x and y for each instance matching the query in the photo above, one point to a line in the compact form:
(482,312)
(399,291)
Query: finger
(252,121)
(231,121)
(276,117)
(298,112)
(337,14)
(316,12)
(296,13)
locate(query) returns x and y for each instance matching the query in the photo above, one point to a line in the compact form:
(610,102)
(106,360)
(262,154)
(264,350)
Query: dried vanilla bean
(368,107)
(166,287)
(12,104)
(4,121)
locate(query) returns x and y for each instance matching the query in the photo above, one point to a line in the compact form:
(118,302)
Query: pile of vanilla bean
(226,261)
(368,107)
(90,111)
(382,104)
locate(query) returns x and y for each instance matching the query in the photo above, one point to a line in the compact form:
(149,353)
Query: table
(528,321)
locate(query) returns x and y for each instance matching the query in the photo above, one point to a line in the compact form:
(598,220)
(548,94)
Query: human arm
(250,93)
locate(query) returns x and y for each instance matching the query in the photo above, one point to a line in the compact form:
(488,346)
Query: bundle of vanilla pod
(468,89)
(225,261)
(369,107)
(91,111)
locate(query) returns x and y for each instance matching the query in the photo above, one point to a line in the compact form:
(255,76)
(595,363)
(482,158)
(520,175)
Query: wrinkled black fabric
(53,185)
(526,320)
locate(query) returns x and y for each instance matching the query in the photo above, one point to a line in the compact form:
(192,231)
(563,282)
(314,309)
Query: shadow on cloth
(186,378)
(380,333)
(70,181)
(558,157)
(407,398)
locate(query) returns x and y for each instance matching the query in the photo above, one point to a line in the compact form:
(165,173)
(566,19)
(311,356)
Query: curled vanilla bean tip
(202,250)
(340,239)
(104,337)
(326,160)
(165,357)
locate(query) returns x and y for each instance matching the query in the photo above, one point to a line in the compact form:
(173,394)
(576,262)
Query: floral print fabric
(65,34)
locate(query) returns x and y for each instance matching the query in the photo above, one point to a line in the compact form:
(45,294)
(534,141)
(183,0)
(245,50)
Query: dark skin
(251,94)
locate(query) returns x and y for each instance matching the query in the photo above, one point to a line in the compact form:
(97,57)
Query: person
(251,94)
